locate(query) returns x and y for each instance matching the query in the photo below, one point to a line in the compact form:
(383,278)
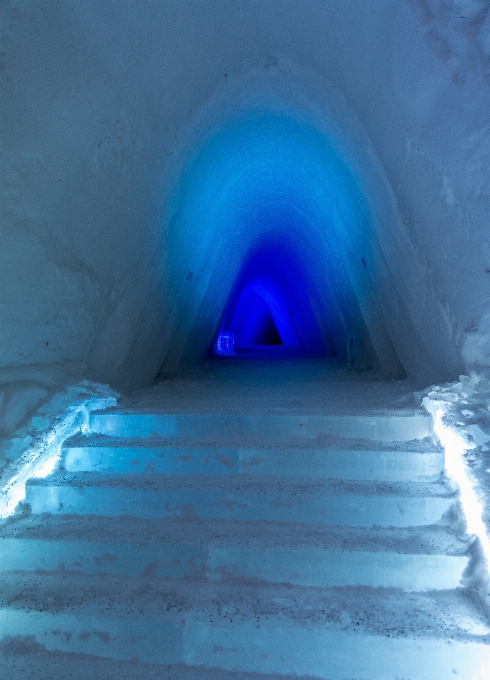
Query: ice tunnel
(152,152)
(211,186)
(269,313)
(269,248)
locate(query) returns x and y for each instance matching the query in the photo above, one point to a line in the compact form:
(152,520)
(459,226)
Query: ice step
(234,497)
(319,651)
(18,656)
(412,559)
(300,566)
(105,455)
(330,654)
(394,427)
(284,630)
(325,568)
(430,540)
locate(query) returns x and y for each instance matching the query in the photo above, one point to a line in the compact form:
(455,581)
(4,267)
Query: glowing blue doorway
(269,312)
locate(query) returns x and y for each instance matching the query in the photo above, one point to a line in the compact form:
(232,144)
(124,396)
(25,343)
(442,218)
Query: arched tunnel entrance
(272,251)
(269,313)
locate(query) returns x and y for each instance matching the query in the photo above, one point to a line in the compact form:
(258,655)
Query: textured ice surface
(274,572)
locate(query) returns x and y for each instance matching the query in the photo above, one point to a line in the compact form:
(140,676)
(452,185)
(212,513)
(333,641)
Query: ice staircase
(220,546)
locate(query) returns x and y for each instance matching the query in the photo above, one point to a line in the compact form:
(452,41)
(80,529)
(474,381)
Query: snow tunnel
(268,250)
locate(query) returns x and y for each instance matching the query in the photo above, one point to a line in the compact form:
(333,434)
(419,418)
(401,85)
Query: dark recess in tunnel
(269,335)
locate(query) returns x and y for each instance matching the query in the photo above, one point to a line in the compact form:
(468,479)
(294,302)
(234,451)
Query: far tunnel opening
(269,312)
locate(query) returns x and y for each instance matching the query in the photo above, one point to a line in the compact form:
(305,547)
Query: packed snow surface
(297,385)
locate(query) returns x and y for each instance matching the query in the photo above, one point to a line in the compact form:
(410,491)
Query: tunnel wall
(104,104)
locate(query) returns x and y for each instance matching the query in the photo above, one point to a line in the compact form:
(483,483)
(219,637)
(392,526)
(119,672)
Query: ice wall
(105,106)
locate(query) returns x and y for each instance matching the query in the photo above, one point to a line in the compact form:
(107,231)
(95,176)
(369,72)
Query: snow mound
(33,450)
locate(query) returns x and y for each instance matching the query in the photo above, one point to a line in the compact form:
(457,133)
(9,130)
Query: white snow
(34,449)
(461,411)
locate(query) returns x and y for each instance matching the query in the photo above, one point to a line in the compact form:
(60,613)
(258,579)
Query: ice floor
(247,521)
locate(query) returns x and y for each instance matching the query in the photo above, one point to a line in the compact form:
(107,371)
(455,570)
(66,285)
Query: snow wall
(149,147)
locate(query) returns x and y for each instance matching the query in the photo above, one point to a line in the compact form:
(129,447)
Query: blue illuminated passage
(270,221)
(269,313)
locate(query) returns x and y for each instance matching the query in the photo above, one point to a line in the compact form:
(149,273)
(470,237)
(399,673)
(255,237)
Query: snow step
(394,427)
(285,630)
(335,460)
(240,498)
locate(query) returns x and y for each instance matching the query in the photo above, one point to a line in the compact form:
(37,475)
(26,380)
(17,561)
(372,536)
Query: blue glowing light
(270,220)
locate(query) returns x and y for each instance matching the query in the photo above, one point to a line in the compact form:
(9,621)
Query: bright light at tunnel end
(455,447)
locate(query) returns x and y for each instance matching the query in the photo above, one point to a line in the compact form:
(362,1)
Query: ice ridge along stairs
(258,545)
